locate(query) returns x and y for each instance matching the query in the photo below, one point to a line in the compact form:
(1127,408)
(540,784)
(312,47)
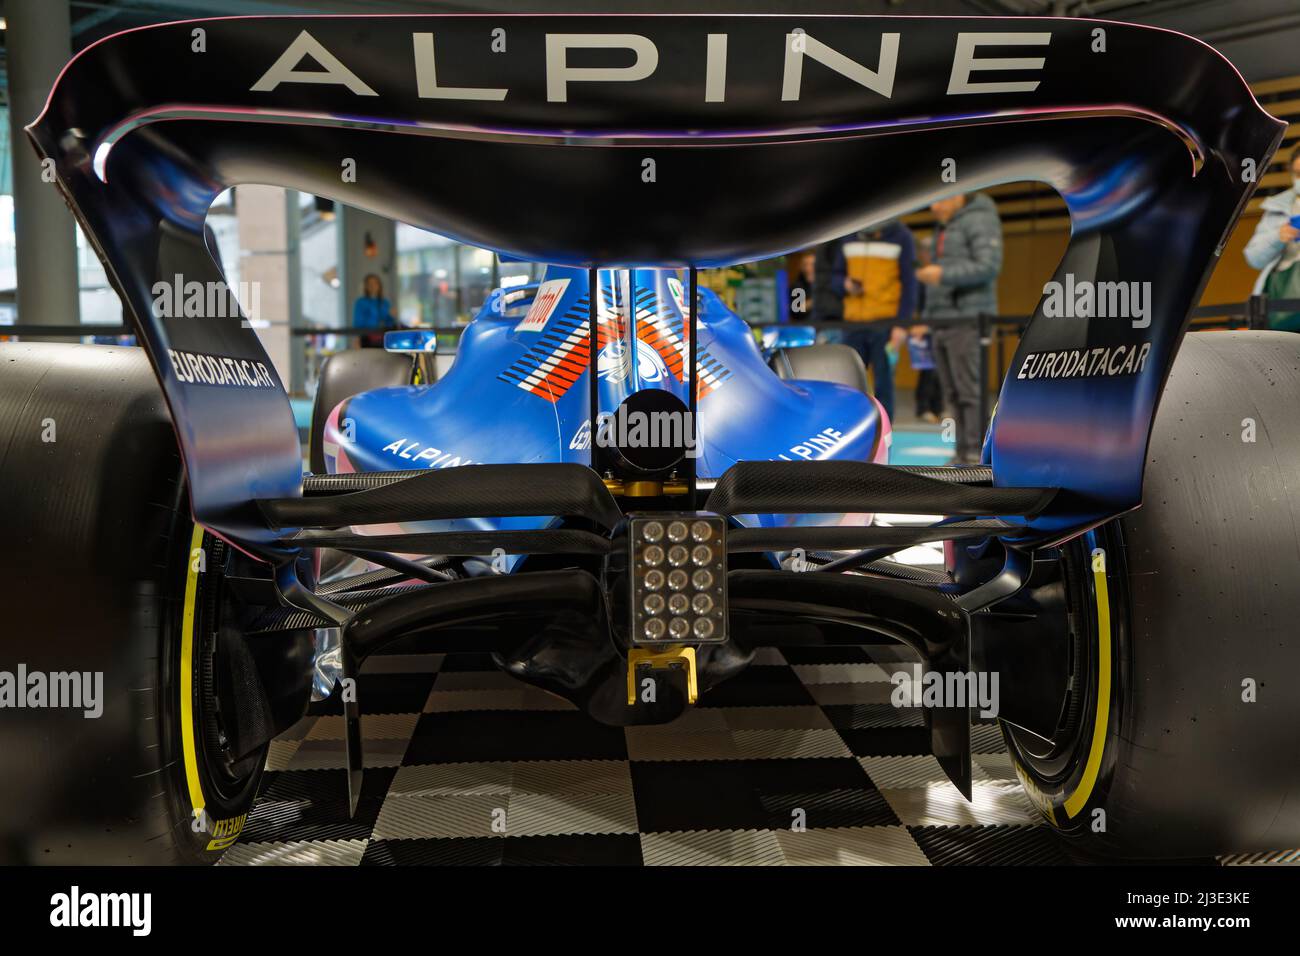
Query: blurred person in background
(803,288)
(963,260)
(372,311)
(929,396)
(871,275)
(1274,249)
(828,300)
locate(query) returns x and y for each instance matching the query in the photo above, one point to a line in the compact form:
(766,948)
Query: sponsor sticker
(814,447)
(1086,363)
(548,297)
(199,368)
(426,455)
(678,292)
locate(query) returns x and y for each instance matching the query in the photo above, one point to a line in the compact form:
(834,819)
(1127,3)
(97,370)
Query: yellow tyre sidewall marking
(224,832)
(190,752)
(1101,721)
(1101,725)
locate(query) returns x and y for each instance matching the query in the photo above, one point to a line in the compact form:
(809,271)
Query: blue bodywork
(1149,162)
(788,336)
(518,390)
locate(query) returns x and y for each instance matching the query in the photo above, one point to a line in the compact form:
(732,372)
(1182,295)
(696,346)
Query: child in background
(929,396)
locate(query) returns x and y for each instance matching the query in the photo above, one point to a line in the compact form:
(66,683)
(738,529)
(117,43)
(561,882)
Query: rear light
(677,567)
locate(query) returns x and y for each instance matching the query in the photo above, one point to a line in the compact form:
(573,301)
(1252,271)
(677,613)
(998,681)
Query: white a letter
(559,73)
(284,70)
(426,77)
(964,62)
(880,81)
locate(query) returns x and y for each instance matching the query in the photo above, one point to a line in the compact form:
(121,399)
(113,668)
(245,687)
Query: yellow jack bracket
(659,657)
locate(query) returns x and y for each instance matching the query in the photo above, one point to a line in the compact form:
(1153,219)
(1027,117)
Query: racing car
(610,491)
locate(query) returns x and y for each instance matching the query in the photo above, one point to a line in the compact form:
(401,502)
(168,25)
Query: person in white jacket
(1273,247)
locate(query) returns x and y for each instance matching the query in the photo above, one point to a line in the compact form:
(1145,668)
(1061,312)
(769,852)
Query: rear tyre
(1187,741)
(104,575)
(349,373)
(827,362)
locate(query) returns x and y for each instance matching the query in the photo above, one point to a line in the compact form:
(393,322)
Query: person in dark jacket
(803,289)
(871,285)
(961,275)
(827,301)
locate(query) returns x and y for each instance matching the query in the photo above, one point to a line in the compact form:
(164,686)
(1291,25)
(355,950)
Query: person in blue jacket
(373,311)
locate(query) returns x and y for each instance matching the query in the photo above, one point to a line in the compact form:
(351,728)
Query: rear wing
(664,140)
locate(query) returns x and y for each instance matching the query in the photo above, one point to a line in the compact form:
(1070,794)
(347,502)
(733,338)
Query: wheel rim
(1074,773)
(1052,763)
(226,775)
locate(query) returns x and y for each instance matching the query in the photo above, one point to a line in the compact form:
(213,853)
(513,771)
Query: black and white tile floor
(466,765)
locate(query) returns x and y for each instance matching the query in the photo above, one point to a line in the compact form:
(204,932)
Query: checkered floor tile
(799,760)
